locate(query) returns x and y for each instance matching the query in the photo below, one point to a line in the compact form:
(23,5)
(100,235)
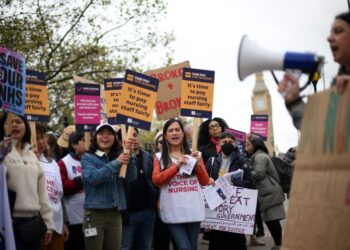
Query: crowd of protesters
(83,202)
(65,196)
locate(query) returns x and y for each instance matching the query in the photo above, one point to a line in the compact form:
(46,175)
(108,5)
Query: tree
(89,38)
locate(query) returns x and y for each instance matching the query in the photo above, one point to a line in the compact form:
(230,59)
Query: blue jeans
(138,231)
(185,235)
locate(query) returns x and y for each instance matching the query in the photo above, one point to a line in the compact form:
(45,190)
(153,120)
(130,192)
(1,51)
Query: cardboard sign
(240,138)
(139,95)
(37,104)
(259,124)
(236,214)
(113,90)
(12,81)
(319,212)
(197,93)
(169,92)
(87,106)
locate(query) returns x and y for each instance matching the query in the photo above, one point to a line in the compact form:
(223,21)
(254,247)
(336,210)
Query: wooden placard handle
(195,129)
(33,141)
(128,135)
(87,138)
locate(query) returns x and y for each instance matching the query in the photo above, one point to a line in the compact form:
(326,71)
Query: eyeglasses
(160,142)
(214,126)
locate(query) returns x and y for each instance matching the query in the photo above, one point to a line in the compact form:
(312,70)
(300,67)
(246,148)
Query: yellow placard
(137,102)
(112,101)
(36,100)
(197,95)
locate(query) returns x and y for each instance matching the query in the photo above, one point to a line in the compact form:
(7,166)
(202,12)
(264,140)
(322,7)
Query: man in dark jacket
(230,159)
(141,198)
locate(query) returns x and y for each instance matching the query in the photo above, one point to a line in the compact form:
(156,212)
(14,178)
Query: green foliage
(93,39)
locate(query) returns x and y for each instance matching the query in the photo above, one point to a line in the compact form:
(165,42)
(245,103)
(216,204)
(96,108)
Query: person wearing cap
(104,189)
(74,195)
(158,140)
(229,160)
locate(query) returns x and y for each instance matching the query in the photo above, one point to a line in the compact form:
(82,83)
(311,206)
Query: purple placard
(259,124)
(12,81)
(240,138)
(87,106)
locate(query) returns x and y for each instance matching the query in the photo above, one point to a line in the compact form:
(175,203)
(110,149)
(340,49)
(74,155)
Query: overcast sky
(208,34)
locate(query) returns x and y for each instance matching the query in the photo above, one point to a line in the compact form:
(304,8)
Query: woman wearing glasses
(208,137)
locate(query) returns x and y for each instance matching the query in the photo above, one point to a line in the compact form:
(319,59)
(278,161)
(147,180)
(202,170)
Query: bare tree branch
(44,25)
(70,29)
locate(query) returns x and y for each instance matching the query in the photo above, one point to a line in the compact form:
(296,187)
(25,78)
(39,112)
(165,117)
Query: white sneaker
(254,241)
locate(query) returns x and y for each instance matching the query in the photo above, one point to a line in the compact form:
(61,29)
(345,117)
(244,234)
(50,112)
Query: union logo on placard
(130,77)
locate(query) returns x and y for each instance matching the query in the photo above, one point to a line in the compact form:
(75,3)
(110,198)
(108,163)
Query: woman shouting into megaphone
(339,42)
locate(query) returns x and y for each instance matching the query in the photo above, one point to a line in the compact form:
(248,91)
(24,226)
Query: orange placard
(138,98)
(113,90)
(37,104)
(197,93)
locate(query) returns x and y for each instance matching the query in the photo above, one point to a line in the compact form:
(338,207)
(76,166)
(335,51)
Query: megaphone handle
(296,74)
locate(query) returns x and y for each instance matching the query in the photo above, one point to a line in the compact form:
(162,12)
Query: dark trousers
(76,238)
(220,240)
(275,229)
(161,236)
(258,222)
(20,244)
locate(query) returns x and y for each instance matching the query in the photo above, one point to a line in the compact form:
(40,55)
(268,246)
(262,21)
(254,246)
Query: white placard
(236,214)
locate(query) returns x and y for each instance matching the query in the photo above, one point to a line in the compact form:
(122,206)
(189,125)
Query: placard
(236,214)
(113,91)
(37,100)
(197,92)
(259,125)
(169,92)
(319,206)
(12,81)
(87,107)
(138,98)
(79,79)
(240,138)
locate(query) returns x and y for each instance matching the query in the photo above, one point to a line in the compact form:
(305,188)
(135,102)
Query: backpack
(285,173)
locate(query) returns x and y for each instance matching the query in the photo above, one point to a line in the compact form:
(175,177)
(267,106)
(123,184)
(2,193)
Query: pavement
(203,245)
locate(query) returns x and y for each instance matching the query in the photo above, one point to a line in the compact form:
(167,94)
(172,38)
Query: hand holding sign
(124,158)
(129,141)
